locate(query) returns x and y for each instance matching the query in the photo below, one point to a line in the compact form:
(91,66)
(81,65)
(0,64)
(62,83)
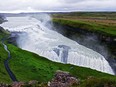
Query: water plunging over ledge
(38,38)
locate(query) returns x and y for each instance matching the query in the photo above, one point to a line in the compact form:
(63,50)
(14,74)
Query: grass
(97,82)
(101,22)
(89,26)
(29,66)
(3,74)
(87,15)
(77,24)
(4,77)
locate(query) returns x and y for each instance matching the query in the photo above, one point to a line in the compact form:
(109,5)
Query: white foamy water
(39,39)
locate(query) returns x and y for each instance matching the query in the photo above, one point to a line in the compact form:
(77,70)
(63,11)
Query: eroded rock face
(63,79)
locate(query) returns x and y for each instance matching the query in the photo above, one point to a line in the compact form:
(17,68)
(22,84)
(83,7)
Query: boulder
(18,84)
(63,79)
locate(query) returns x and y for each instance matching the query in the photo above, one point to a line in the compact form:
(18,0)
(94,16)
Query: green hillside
(97,22)
(89,26)
(3,55)
(81,24)
(29,66)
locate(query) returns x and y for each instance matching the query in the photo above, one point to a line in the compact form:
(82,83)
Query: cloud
(56,5)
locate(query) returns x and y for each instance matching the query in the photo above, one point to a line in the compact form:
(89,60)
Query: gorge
(37,36)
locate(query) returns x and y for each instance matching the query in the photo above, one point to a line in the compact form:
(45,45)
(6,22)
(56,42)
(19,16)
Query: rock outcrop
(63,79)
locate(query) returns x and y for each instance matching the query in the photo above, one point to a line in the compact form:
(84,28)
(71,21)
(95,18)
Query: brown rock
(63,79)
(18,84)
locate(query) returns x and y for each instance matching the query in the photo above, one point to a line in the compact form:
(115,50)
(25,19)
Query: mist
(37,35)
(90,40)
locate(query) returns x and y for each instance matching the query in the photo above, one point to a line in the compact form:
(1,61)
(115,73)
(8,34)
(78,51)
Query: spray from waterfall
(89,40)
(38,37)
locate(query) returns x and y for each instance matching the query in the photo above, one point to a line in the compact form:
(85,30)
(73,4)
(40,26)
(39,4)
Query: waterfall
(37,37)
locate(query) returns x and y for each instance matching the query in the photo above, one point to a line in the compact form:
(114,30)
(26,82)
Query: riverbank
(24,64)
(96,22)
(6,62)
(102,26)
(29,66)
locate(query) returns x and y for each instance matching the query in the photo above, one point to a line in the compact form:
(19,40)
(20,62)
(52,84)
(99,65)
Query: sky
(17,6)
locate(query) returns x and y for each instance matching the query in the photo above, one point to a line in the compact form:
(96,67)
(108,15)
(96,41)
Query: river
(37,36)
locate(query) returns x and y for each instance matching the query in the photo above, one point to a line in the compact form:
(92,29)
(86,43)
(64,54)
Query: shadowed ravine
(11,74)
(52,45)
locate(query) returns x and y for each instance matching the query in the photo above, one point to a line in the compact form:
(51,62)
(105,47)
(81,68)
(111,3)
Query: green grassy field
(87,15)
(101,24)
(104,23)
(29,66)
(3,55)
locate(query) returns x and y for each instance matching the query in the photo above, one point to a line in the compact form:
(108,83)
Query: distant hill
(2,18)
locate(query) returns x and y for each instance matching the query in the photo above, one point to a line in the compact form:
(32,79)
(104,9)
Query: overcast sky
(56,5)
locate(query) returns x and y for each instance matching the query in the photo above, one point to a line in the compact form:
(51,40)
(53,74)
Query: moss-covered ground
(101,22)
(29,66)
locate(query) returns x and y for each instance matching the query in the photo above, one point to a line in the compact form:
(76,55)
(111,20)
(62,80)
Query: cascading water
(38,38)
